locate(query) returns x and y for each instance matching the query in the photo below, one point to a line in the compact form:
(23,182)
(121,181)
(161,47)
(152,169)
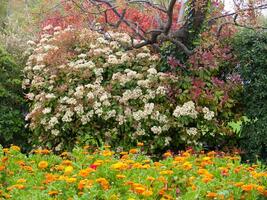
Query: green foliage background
(251,50)
(12,104)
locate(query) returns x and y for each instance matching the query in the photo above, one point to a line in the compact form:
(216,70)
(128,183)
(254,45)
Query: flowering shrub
(86,87)
(102,174)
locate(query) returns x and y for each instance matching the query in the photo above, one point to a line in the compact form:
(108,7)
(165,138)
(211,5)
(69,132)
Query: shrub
(87,87)
(12,103)
(250,48)
(104,174)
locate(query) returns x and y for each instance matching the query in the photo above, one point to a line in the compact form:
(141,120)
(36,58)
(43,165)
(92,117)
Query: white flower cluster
(188,109)
(208,115)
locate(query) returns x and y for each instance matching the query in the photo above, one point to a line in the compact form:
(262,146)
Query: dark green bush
(12,104)
(251,50)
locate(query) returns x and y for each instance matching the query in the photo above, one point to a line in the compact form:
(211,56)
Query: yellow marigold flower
(123,153)
(166,172)
(68,170)
(120,176)
(15,148)
(147,193)
(98,162)
(202,171)
(248,187)
(146,166)
(211,195)
(71,180)
(206,158)
(187,166)
(119,166)
(107,153)
(53,192)
(22,180)
(140,144)
(5,150)
(133,151)
(43,164)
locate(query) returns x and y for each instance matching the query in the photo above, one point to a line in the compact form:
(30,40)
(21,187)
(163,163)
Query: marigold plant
(92,175)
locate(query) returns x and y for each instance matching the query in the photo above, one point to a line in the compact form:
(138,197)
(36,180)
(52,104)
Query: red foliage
(145,19)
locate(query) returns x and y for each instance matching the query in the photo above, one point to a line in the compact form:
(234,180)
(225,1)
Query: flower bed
(103,174)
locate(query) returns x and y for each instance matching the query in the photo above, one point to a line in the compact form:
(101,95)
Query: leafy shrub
(251,50)
(11,101)
(86,87)
(104,174)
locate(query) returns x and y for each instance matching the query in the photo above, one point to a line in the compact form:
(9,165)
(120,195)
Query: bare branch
(150,4)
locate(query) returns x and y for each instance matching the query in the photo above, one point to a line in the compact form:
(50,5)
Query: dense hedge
(251,50)
(11,101)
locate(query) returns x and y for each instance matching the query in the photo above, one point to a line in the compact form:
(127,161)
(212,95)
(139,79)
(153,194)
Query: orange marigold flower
(66,162)
(43,164)
(150,178)
(2,167)
(140,144)
(248,187)
(167,154)
(147,193)
(139,189)
(167,197)
(211,195)
(133,151)
(120,176)
(53,193)
(103,182)
(260,189)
